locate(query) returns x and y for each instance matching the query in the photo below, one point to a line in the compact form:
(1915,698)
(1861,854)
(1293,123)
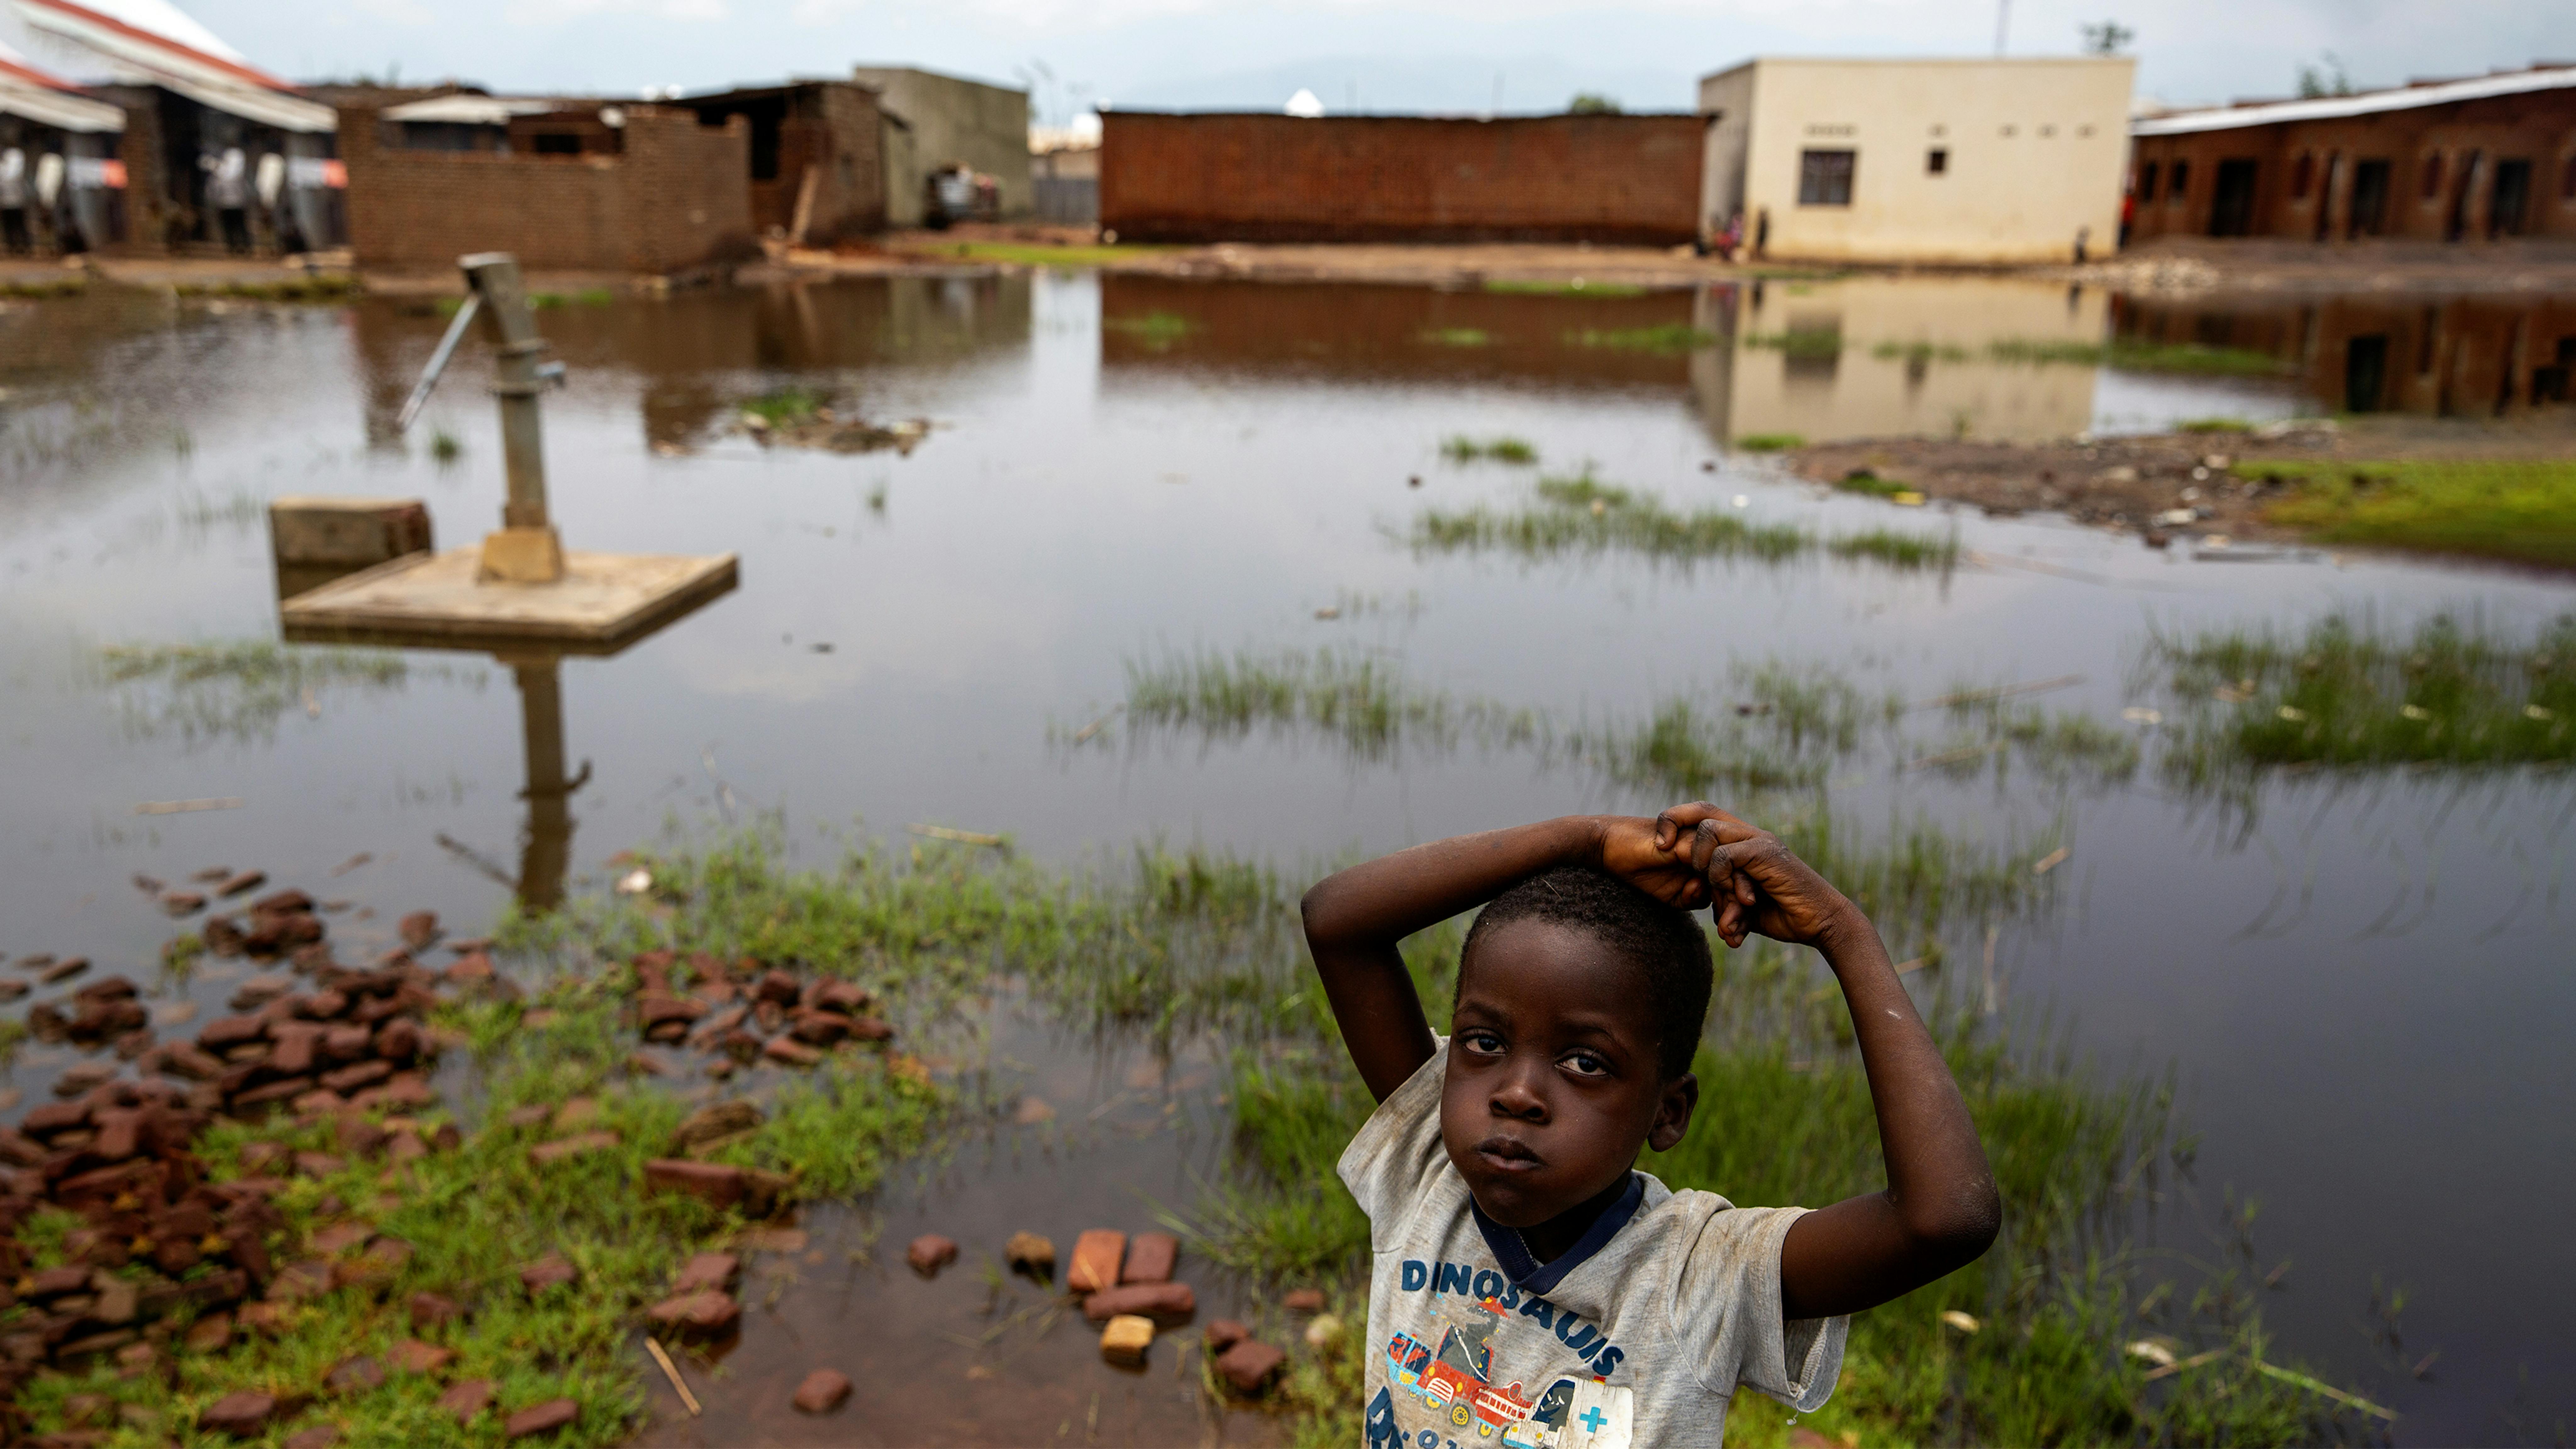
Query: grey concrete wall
(951,119)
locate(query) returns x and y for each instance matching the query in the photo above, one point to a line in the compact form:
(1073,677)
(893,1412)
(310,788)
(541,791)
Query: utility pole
(2003,23)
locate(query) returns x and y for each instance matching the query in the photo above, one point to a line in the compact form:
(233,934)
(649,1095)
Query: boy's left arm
(1940,1209)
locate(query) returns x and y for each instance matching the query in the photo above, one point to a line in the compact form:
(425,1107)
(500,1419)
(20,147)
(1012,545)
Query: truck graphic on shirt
(1457,1380)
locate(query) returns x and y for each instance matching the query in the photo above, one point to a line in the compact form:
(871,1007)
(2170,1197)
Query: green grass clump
(291,289)
(1669,339)
(1364,705)
(1022,254)
(2214,425)
(586,297)
(1863,480)
(1157,330)
(1769,442)
(2129,354)
(45,290)
(1583,515)
(1577,287)
(786,406)
(2519,511)
(1919,352)
(1458,337)
(2345,695)
(1805,343)
(240,689)
(1164,937)
(1459,448)
(445,447)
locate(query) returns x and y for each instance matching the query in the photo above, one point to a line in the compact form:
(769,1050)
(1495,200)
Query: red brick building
(631,188)
(2489,159)
(1243,177)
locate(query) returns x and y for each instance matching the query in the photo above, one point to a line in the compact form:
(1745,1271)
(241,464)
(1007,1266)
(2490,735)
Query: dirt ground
(2127,482)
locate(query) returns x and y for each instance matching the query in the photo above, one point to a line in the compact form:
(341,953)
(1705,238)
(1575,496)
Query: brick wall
(1391,178)
(2432,191)
(677,196)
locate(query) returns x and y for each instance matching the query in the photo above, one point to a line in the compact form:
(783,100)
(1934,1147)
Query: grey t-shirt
(1638,1335)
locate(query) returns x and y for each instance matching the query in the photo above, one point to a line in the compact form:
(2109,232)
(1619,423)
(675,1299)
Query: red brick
(1251,177)
(1096,1255)
(1164,1302)
(1150,1258)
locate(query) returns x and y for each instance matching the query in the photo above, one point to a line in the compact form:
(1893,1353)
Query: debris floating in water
(187,807)
(635,883)
(2050,861)
(962,837)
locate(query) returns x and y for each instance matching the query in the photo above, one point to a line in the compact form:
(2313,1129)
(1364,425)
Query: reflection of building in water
(1891,358)
(696,354)
(2451,356)
(1367,330)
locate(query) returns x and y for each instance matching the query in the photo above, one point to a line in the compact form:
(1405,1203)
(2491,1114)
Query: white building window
(1825,177)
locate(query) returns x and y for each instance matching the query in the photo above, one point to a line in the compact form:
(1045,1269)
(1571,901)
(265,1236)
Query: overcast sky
(1439,55)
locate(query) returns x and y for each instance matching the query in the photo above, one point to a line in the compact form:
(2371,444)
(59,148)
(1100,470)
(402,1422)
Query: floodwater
(2361,990)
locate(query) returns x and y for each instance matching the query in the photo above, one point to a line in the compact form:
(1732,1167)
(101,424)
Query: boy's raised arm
(1355,918)
(1940,1209)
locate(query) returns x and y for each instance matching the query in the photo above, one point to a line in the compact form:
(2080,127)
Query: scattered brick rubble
(739,1012)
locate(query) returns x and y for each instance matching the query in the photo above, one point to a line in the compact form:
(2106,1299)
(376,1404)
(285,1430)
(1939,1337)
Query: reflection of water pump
(526,550)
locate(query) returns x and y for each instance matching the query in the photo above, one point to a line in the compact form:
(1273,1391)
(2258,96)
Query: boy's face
(1554,1080)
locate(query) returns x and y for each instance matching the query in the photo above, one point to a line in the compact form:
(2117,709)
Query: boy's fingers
(1672,822)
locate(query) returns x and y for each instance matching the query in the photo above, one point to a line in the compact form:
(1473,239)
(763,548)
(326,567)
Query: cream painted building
(1963,162)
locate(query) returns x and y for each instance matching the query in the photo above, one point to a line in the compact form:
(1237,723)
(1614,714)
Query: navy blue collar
(1532,1276)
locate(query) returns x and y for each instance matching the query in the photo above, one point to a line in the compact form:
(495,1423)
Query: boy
(1526,1281)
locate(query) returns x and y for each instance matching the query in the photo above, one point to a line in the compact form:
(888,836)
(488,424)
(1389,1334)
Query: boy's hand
(1753,881)
(1638,851)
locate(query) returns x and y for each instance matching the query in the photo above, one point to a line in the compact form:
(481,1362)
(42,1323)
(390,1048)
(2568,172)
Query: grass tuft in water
(2130,354)
(1459,337)
(1459,448)
(1800,343)
(1770,442)
(1577,287)
(1157,330)
(240,689)
(1919,352)
(2344,694)
(1583,515)
(1669,339)
(782,407)
(2524,511)
(445,447)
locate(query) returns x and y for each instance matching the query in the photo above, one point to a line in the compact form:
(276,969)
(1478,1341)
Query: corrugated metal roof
(2331,108)
(50,100)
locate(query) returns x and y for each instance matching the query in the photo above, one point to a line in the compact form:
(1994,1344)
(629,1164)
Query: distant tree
(2108,38)
(2325,80)
(1592,103)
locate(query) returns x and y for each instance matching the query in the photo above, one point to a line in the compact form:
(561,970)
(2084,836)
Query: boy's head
(1580,1001)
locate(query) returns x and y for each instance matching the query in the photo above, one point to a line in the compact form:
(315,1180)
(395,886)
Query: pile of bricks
(739,1013)
(156,1235)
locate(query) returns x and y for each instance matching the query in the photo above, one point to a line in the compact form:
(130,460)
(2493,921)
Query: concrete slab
(605,602)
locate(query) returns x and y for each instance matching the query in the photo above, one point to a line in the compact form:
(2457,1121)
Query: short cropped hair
(1662,942)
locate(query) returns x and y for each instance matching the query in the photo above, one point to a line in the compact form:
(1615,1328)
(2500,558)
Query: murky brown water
(2363,994)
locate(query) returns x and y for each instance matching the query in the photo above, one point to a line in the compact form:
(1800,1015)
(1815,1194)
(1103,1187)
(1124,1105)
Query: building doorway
(2365,372)
(2369,213)
(2509,211)
(2231,203)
